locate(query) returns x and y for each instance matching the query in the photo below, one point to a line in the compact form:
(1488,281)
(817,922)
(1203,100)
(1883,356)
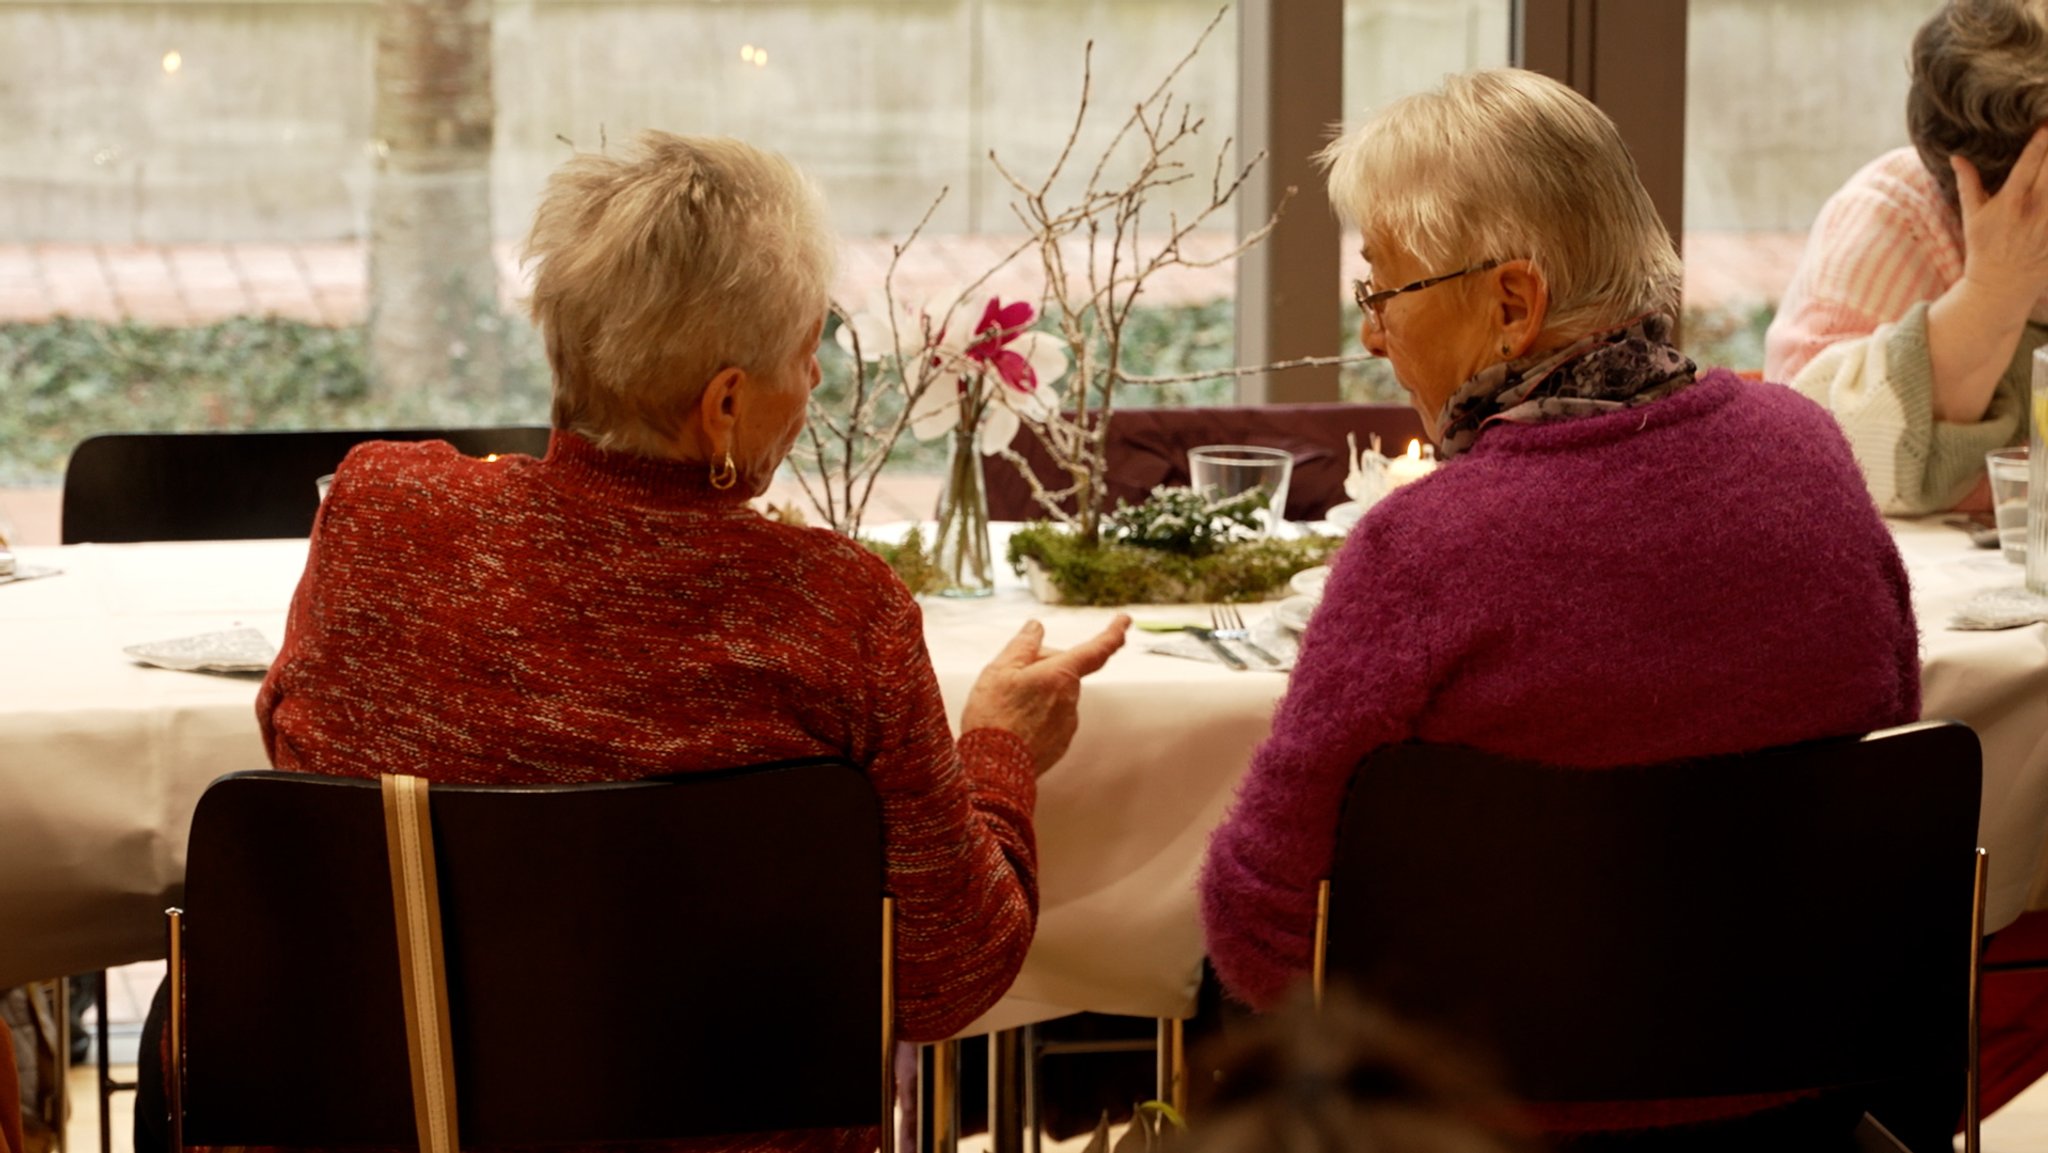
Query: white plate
(1345,515)
(1294,612)
(1309,581)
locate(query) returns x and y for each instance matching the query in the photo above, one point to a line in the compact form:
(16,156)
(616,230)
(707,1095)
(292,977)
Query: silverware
(1230,627)
(1981,535)
(1208,637)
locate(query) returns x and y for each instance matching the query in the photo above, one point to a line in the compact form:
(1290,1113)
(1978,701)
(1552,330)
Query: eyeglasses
(1373,303)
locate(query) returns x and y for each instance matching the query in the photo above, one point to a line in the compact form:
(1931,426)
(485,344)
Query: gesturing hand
(2005,236)
(1035,693)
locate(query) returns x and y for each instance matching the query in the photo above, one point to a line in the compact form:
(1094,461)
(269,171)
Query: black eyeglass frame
(1372,303)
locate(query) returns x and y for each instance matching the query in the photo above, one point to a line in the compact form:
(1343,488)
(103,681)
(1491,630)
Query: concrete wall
(262,132)
(1785,99)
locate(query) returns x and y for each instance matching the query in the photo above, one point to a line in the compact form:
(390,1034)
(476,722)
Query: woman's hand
(1974,327)
(1036,693)
(2005,237)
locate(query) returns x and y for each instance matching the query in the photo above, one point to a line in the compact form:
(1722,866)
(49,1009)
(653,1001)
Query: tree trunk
(435,331)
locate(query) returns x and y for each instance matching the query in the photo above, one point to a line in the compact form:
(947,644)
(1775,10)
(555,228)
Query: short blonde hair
(1503,164)
(1980,87)
(658,269)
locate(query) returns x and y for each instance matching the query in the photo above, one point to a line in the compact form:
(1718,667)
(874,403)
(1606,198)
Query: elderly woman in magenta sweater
(616,610)
(1624,560)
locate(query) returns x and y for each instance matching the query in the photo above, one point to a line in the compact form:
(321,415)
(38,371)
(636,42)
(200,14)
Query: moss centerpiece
(1175,548)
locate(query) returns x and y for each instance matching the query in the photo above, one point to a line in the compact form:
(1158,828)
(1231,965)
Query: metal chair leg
(1006,1061)
(99,982)
(938,1095)
(1031,1134)
(1173,1064)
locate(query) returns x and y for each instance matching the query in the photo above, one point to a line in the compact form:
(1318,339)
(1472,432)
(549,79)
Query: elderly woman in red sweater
(1624,560)
(616,610)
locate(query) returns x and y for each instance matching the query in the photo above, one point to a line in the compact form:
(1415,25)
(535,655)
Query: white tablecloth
(102,760)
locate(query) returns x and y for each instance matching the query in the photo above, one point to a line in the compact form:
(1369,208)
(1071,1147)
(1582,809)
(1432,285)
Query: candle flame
(1414,450)
(173,61)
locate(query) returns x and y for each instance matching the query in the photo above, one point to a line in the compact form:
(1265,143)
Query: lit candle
(1419,462)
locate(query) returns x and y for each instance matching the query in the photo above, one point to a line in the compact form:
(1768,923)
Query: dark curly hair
(1980,86)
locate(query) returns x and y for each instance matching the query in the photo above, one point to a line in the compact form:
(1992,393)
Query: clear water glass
(2037,480)
(1220,471)
(2008,469)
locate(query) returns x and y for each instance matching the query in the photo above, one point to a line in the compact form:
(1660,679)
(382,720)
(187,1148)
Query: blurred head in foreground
(1349,1079)
(1502,219)
(681,290)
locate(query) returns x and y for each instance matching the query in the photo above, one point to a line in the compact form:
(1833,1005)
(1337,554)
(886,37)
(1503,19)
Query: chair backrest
(636,961)
(138,486)
(1785,919)
(1149,446)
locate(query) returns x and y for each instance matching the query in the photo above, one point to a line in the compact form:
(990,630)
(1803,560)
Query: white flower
(1006,372)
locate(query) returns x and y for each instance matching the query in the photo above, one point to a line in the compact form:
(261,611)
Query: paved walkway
(322,283)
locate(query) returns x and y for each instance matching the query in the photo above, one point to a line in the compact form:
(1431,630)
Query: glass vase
(2037,480)
(960,549)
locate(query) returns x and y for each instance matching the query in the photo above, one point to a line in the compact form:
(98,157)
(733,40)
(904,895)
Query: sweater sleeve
(1880,389)
(962,857)
(279,711)
(1880,245)
(1361,680)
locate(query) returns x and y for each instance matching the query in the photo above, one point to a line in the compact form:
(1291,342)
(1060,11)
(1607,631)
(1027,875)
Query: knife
(1209,638)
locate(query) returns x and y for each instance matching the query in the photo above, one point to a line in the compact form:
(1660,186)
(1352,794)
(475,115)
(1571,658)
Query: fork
(1228,624)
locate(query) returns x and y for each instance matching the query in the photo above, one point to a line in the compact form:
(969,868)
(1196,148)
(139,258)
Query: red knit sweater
(599,616)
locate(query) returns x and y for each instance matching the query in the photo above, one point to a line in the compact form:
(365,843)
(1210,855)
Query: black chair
(143,486)
(1789,919)
(753,901)
(1149,446)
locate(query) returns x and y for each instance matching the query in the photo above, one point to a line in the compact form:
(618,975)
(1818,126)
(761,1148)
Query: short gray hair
(1980,86)
(1503,164)
(659,269)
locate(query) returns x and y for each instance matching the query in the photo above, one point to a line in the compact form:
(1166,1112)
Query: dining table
(102,757)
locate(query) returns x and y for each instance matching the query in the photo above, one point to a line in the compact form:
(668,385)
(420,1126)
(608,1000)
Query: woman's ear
(718,410)
(1524,306)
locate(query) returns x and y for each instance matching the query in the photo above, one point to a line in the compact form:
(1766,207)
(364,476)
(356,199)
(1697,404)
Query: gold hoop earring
(724,475)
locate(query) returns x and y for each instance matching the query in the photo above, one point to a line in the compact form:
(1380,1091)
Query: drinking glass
(2036,554)
(2008,469)
(1219,471)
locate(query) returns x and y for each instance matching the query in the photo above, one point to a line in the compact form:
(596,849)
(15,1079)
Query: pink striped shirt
(1887,241)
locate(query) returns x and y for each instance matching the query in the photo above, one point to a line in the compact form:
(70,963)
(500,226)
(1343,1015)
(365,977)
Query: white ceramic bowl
(1309,581)
(1345,515)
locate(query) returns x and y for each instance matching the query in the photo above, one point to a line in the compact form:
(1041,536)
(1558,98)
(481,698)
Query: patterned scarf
(1616,369)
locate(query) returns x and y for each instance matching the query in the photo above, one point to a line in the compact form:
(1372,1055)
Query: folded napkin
(227,651)
(1266,633)
(2008,608)
(27,572)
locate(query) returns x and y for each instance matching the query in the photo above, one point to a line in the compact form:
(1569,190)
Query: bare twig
(1098,252)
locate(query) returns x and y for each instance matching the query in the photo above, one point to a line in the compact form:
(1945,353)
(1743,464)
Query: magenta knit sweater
(1702,575)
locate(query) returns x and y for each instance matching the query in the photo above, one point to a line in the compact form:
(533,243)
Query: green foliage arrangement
(1180,520)
(1115,573)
